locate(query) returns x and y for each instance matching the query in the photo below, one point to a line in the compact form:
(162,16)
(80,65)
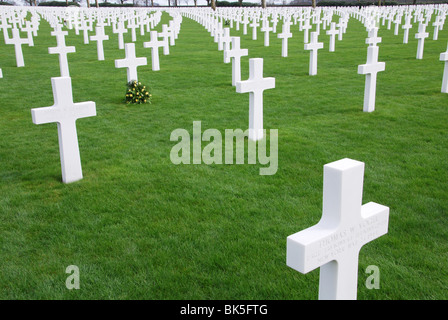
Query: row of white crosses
(31,28)
(65,112)
(255,85)
(343,218)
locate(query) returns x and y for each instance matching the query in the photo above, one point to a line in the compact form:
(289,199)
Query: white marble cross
(133,25)
(341,25)
(313,46)
(171,30)
(224,40)
(306,27)
(407,25)
(332,33)
(266,28)
(285,35)
(254,26)
(397,24)
(345,227)
(436,26)
(245,22)
(17,42)
(255,85)
(29,31)
(120,30)
(65,113)
(131,62)
(421,35)
(61,49)
(444,57)
(235,55)
(99,37)
(5,26)
(370,69)
(154,44)
(85,27)
(165,34)
(373,38)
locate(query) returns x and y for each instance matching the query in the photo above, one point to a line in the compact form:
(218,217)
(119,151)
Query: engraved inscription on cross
(346,225)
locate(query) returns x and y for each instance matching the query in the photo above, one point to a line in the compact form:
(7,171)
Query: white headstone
(345,227)
(255,85)
(224,40)
(254,26)
(373,38)
(120,30)
(171,30)
(85,27)
(65,113)
(332,33)
(436,26)
(62,50)
(285,35)
(444,57)
(370,69)
(29,31)
(397,24)
(132,25)
(5,26)
(313,46)
(266,28)
(154,44)
(245,22)
(99,37)
(235,55)
(407,25)
(165,34)
(17,42)
(306,27)
(131,62)
(421,35)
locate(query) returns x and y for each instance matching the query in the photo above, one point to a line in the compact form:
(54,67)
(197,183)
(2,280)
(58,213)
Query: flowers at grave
(137,93)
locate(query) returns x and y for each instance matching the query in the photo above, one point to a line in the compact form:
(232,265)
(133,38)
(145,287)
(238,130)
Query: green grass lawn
(140,227)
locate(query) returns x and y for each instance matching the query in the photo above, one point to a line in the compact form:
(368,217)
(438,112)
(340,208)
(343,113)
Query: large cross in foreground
(346,225)
(65,113)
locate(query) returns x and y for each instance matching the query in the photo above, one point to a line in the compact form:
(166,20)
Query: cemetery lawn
(140,227)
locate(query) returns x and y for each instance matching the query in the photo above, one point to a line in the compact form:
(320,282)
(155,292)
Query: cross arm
(301,248)
(253,86)
(60,114)
(371,68)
